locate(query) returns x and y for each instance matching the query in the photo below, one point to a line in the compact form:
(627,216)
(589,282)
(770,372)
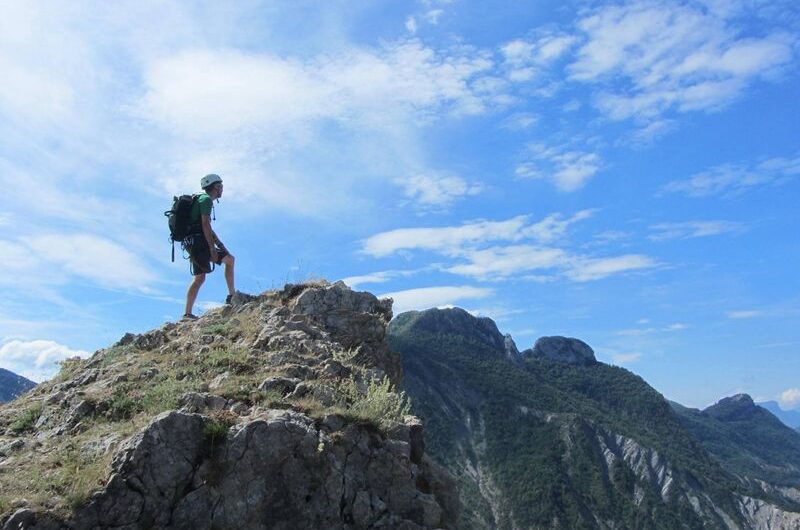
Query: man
(204,246)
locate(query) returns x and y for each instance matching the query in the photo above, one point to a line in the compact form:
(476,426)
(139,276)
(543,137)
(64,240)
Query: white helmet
(209,179)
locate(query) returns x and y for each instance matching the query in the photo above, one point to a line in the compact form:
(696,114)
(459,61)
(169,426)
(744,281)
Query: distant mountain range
(12,385)
(551,438)
(788,417)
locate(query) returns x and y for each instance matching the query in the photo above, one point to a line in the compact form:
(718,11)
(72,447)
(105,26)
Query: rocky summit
(562,349)
(281,411)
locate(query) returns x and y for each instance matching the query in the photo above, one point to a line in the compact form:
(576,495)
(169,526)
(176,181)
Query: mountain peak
(288,400)
(458,322)
(13,385)
(562,349)
(739,406)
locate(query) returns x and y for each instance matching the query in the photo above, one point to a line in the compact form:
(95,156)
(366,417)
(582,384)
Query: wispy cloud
(568,169)
(790,398)
(427,191)
(733,179)
(692,229)
(502,262)
(743,314)
(626,358)
(427,297)
(367,87)
(477,255)
(665,55)
(37,359)
(640,332)
(379,277)
(452,239)
(588,269)
(100,260)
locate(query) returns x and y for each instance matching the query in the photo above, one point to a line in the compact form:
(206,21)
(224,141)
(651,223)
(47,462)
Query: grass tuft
(27,419)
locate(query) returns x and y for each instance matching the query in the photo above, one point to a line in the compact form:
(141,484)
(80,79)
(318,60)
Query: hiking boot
(238,298)
(188,316)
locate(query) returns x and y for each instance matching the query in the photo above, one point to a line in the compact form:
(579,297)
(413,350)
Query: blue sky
(623,172)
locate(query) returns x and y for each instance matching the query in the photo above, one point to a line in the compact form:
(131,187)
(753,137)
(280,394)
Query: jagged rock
(126,339)
(151,340)
(285,385)
(219,380)
(22,518)
(275,470)
(562,349)
(147,374)
(353,319)
(197,403)
(75,415)
(510,347)
(8,448)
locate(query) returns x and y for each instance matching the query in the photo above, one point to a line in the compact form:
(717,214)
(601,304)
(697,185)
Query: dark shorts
(200,255)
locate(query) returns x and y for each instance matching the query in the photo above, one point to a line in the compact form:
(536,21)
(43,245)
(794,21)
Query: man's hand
(214,255)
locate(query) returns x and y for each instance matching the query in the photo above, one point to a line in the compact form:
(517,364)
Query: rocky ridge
(278,412)
(555,439)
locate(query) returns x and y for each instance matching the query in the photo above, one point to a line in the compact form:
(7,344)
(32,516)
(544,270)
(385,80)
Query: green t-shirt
(202,206)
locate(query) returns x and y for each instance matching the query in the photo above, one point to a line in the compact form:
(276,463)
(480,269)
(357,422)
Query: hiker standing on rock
(204,246)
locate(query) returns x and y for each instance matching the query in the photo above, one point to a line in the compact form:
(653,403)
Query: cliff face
(279,412)
(554,439)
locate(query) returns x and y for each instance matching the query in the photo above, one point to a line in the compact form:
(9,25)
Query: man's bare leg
(191,294)
(229,261)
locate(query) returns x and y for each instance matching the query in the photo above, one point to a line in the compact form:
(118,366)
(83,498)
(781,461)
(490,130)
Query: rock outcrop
(562,349)
(267,414)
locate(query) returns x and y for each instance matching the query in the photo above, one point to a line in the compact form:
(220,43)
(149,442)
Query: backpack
(178,219)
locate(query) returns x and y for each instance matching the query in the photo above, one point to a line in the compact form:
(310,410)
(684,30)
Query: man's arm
(211,237)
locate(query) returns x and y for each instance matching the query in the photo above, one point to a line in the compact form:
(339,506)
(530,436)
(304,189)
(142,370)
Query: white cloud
(451,240)
(37,359)
(742,314)
(733,179)
(588,269)
(211,92)
(692,229)
(626,358)
(678,326)
(437,190)
(666,55)
(433,16)
(502,262)
(448,239)
(569,170)
(520,121)
(790,398)
(527,61)
(100,260)
(467,245)
(411,25)
(541,51)
(378,277)
(427,297)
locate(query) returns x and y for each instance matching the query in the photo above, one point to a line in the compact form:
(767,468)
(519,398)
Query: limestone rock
(275,471)
(562,349)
